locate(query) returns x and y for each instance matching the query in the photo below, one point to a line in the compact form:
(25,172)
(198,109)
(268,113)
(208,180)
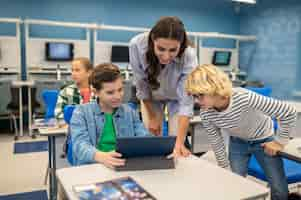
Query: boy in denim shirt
(96,125)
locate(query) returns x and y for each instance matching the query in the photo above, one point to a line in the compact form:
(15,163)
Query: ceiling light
(246,1)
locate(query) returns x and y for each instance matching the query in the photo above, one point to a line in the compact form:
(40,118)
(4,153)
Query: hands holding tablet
(109,159)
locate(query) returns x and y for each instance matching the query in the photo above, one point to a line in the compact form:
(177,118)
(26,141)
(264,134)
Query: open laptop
(146,153)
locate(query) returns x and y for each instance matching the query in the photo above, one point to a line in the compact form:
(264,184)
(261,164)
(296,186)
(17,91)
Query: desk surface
(56,131)
(293,150)
(193,178)
(23,83)
(195,119)
(296,104)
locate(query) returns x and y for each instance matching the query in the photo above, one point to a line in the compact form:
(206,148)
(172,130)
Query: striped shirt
(248,116)
(69,95)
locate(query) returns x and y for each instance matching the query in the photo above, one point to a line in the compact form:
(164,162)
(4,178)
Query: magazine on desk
(124,188)
(50,126)
(44,123)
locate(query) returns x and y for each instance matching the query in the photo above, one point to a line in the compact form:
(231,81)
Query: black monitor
(56,51)
(120,54)
(221,58)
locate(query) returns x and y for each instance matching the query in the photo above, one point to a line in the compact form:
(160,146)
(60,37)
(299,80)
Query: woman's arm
(180,149)
(140,77)
(142,88)
(185,102)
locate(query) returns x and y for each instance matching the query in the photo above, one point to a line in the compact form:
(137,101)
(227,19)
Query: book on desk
(125,188)
(44,123)
(48,126)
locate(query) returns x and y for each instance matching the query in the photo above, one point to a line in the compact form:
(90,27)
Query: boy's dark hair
(169,28)
(104,73)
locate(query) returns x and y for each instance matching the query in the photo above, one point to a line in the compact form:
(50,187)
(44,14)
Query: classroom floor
(24,172)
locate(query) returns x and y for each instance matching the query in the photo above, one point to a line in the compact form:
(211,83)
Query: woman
(161,60)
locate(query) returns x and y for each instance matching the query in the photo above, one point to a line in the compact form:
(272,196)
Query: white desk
(292,151)
(193,178)
(51,133)
(296,104)
(195,119)
(20,84)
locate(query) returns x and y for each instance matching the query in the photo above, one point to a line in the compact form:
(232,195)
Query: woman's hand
(154,126)
(109,159)
(272,148)
(179,151)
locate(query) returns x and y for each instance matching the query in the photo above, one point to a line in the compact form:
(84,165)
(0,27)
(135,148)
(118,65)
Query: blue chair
(68,111)
(291,168)
(165,127)
(50,99)
(265,91)
(133,105)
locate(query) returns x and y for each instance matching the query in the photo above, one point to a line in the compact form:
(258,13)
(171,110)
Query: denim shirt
(172,77)
(86,127)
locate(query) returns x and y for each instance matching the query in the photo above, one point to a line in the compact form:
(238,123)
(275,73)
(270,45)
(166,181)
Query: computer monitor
(120,54)
(221,58)
(56,51)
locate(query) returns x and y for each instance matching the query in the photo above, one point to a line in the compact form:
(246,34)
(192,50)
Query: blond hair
(85,62)
(210,80)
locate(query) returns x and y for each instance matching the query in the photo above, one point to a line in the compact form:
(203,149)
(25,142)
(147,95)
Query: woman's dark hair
(169,28)
(104,73)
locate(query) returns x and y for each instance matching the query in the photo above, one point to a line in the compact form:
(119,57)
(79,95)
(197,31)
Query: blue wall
(197,15)
(275,57)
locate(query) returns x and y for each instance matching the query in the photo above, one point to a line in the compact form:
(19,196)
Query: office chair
(50,99)
(13,105)
(291,168)
(68,111)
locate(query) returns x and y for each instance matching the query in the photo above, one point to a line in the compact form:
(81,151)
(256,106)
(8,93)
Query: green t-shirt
(107,141)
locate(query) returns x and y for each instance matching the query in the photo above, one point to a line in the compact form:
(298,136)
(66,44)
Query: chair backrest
(133,105)
(50,99)
(14,100)
(265,91)
(68,110)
